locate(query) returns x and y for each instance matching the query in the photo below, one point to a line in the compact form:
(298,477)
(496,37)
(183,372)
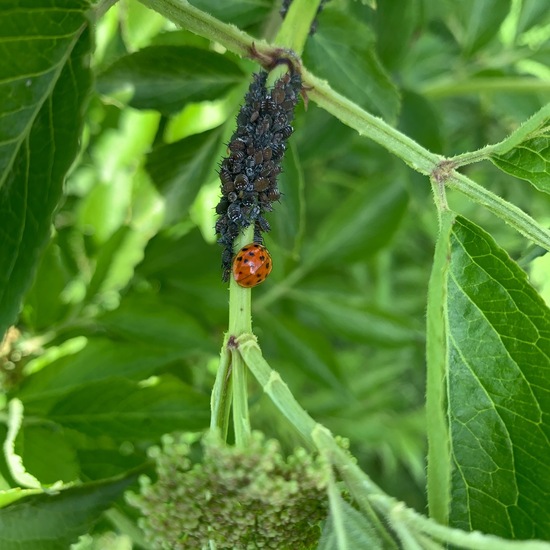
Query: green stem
(453,88)
(241,415)
(240,322)
(536,124)
(203,24)
(295,28)
(220,399)
(439,451)
(511,214)
(275,388)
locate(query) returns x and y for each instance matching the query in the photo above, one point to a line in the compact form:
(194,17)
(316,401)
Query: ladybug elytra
(252,264)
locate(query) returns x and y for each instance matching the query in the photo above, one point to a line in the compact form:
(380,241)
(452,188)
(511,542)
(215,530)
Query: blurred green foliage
(120,330)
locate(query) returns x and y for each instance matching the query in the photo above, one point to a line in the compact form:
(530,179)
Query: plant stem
(295,28)
(482,85)
(536,124)
(511,214)
(275,388)
(240,322)
(220,399)
(203,24)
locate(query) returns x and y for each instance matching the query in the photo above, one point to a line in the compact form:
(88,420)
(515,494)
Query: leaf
(287,222)
(528,161)
(360,226)
(44,83)
(310,352)
(489,348)
(98,360)
(395,19)
(532,14)
(476,22)
(239,12)
(13,495)
(148,317)
(166,78)
(123,409)
(46,453)
(179,169)
(420,121)
(54,521)
(43,306)
(346,316)
(13,460)
(342,51)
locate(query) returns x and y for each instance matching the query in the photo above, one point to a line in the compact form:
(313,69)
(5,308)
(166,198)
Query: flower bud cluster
(249,174)
(236,498)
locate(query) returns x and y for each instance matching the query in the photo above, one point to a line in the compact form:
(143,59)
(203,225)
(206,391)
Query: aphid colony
(249,174)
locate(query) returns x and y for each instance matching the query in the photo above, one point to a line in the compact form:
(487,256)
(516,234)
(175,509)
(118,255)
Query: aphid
(273,194)
(287,131)
(221,207)
(238,155)
(236,145)
(261,184)
(234,213)
(251,266)
(241,181)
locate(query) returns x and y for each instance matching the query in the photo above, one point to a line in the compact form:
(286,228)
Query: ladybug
(252,264)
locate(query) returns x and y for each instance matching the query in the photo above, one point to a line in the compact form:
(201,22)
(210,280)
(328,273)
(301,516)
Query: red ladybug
(252,264)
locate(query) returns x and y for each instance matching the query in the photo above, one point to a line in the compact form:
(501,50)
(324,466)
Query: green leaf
(492,355)
(348,317)
(420,121)
(312,353)
(166,78)
(401,19)
(529,161)
(360,226)
(342,51)
(239,12)
(46,453)
(532,14)
(98,360)
(287,222)
(54,521)
(123,409)
(179,169)
(44,83)
(476,22)
(150,318)
(43,306)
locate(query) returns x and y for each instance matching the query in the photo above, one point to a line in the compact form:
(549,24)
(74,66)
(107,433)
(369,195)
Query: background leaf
(360,225)
(127,411)
(166,78)
(39,131)
(179,169)
(53,522)
(477,21)
(341,42)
